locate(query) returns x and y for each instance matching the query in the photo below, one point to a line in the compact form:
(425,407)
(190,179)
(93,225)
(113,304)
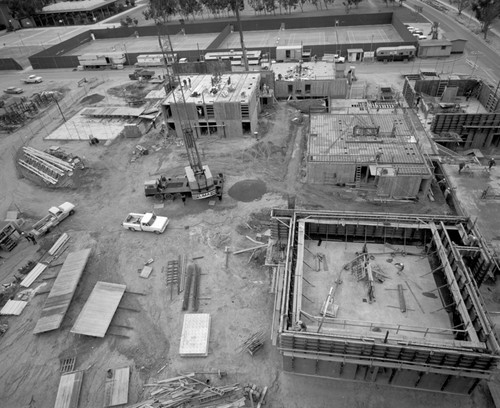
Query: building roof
(332,139)
(454,37)
(82,5)
(434,43)
(293,71)
(241,88)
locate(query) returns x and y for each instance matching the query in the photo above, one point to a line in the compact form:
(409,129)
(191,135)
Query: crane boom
(192,151)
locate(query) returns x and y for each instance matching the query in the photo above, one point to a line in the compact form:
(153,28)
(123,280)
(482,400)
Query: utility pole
(60,110)
(237,10)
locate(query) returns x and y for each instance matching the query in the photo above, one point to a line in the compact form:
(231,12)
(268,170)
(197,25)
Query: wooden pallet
(68,365)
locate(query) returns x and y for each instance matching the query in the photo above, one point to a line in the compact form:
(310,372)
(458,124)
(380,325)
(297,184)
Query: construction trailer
(388,299)
(155,60)
(289,53)
(113,60)
(308,80)
(434,48)
(225,104)
(377,152)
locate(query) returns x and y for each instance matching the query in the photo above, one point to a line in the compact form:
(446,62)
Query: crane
(200,179)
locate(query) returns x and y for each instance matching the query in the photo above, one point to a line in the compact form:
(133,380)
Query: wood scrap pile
(187,390)
(254,343)
(46,166)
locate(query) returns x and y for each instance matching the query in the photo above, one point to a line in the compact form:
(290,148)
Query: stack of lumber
(188,390)
(49,168)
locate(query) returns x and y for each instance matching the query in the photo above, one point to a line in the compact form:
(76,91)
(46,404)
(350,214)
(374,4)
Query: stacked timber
(187,390)
(45,166)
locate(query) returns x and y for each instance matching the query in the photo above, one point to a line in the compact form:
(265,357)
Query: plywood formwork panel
(459,385)
(116,387)
(68,392)
(405,378)
(62,291)
(432,381)
(305,366)
(13,307)
(348,371)
(98,311)
(195,335)
(35,273)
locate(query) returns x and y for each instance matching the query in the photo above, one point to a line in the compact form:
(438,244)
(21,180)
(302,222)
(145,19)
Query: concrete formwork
(445,343)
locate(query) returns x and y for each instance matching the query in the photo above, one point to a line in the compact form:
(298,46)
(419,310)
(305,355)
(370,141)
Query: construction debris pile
(362,269)
(19,111)
(187,390)
(53,168)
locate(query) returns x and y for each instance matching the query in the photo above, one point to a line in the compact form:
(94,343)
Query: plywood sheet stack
(195,335)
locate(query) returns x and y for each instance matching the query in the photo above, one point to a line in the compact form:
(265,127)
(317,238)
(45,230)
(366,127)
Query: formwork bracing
(386,298)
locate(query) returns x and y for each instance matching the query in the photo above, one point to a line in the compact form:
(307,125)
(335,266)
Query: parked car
(411,29)
(422,37)
(13,90)
(33,79)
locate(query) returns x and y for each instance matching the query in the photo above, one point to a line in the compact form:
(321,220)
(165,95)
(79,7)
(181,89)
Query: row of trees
(167,9)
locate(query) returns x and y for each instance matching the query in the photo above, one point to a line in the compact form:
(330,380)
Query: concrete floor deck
(351,296)
(81,128)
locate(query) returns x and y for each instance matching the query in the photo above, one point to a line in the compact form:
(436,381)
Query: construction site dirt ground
(146,330)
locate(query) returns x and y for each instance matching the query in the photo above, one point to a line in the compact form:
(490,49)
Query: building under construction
(373,151)
(226,104)
(382,298)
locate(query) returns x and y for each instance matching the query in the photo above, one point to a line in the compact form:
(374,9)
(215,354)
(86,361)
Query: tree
(270,6)
(20,9)
(187,7)
(486,11)
(461,4)
(326,2)
(161,10)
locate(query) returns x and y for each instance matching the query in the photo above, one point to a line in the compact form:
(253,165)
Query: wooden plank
(62,292)
(59,243)
(68,392)
(146,271)
(116,387)
(13,307)
(34,273)
(99,309)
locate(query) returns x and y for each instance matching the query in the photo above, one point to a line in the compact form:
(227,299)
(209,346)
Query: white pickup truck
(54,217)
(146,222)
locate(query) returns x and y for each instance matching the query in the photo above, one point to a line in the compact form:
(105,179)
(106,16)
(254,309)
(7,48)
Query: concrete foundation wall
(330,173)
(332,88)
(477,130)
(399,186)
(379,375)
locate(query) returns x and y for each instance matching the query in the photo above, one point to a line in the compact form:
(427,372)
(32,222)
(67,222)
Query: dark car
(13,90)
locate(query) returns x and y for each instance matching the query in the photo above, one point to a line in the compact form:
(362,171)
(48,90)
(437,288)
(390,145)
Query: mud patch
(429,295)
(248,190)
(94,98)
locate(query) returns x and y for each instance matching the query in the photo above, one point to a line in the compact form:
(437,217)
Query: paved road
(488,60)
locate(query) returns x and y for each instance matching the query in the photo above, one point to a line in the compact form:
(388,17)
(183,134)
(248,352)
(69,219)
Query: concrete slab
(379,316)
(81,127)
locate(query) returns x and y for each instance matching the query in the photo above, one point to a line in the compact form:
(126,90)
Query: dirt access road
(145,332)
